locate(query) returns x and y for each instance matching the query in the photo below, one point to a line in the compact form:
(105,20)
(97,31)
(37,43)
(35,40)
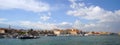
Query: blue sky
(87,15)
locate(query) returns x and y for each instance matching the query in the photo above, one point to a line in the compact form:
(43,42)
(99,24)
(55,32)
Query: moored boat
(28,37)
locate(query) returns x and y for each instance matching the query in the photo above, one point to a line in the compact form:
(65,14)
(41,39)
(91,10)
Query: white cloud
(48,26)
(44,18)
(2,19)
(27,23)
(28,5)
(37,25)
(106,20)
(93,12)
(78,24)
(64,25)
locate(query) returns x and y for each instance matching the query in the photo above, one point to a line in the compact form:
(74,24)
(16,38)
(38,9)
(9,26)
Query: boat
(50,35)
(28,37)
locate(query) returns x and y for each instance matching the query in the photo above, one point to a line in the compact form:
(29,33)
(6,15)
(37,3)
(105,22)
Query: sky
(86,15)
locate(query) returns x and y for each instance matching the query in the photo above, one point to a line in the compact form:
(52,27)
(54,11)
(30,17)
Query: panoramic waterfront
(65,40)
(59,22)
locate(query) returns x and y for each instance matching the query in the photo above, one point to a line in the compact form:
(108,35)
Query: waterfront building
(90,33)
(119,33)
(104,33)
(2,31)
(73,32)
(57,32)
(33,32)
(98,33)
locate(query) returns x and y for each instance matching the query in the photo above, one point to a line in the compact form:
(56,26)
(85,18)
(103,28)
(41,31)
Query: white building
(57,32)
(2,31)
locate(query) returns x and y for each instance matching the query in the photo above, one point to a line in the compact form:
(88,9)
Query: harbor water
(65,40)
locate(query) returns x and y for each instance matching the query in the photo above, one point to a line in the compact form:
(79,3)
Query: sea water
(65,40)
